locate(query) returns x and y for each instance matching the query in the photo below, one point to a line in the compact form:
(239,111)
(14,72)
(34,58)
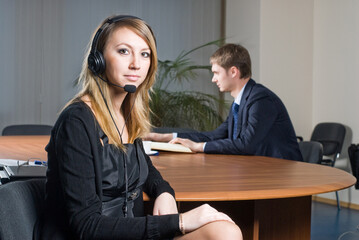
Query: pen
(37,162)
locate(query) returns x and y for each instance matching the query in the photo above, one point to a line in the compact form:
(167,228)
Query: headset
(96,61)
(97,65)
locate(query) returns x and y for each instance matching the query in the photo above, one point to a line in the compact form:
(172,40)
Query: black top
(113,171)
(114,174)
(74,187)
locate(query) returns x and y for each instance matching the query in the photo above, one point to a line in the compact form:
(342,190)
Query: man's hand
(194,146)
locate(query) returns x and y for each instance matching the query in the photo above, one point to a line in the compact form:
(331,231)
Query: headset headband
(96,61)
(107,23)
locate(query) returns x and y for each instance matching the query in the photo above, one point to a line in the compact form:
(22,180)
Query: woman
(97,168)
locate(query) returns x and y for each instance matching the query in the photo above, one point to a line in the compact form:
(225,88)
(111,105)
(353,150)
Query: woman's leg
(215,231)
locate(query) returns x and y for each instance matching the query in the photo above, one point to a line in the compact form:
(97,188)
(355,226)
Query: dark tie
(235,108)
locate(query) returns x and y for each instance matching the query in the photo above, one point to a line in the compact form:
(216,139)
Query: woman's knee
(224,230)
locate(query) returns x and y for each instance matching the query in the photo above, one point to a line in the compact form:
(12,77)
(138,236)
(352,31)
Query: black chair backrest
(353,152)
(312,152)
(27,129)
(21,203)
(330,135)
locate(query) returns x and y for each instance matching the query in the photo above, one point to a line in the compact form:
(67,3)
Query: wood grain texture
(23,147)
(269,198)
(211,177)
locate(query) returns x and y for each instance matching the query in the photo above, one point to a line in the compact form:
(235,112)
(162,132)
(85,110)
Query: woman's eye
(123,51)
(146,54)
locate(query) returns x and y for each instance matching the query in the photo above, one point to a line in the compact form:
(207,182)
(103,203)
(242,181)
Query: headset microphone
(128,87)
(97,65)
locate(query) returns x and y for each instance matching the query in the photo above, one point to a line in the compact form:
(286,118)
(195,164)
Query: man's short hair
(230,55)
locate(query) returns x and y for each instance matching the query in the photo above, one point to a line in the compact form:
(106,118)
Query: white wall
(243,27)
(279,36)
(336,71)
(308,53)
(336,63)
(286,57)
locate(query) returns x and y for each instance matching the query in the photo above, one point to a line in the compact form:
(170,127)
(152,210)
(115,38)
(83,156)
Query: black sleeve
(262,114)
(75,161)
(155,184)
(219,133)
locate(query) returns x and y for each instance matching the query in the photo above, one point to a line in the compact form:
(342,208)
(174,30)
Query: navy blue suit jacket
(264,128)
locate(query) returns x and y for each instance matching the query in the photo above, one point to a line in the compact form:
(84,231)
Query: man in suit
(258,122)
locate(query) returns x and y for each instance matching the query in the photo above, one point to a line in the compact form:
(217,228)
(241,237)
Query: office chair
(21,205)
(27,129)
(353,153)
(312,152)
(331,135)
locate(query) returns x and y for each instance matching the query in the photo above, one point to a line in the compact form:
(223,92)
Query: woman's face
(127,56)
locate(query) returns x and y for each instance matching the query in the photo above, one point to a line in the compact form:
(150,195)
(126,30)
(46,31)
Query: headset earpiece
(96,63)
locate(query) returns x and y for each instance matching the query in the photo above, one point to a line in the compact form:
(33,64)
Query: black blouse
(74,186)
(116,174)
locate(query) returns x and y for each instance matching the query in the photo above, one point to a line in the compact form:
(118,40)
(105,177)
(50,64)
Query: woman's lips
(132,77)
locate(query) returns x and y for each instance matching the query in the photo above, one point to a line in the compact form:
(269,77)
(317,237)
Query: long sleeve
(155,184)
(72,159)
(264,128)
(261,117)
(219,133)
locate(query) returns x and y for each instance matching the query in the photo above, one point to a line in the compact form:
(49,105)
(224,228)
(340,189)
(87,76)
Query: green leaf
(184,109)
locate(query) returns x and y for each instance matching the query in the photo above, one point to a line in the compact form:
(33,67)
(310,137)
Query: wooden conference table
(268,198)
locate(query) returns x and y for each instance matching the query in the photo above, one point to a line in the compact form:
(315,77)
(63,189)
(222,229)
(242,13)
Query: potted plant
(184,108)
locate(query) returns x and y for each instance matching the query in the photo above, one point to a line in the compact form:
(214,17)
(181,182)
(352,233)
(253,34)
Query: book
(21,172)
(25,171)
(162,146)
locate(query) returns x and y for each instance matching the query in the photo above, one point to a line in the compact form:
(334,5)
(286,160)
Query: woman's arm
(165,204)
(74,148)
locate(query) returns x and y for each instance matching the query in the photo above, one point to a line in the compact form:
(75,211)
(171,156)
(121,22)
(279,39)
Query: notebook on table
(13,173)
(162,146)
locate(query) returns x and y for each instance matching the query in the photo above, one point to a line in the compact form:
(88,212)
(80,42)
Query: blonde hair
(138,123)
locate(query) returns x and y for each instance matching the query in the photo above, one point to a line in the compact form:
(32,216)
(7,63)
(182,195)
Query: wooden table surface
(198,177)
(217,177)
(268,198)
(23,147)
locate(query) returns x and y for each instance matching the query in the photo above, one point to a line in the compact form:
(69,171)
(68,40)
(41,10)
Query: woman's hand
(194,146)
(158,137)
(165,204)
(201,216)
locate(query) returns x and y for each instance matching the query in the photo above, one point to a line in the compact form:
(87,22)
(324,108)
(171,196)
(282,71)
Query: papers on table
(162,146)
